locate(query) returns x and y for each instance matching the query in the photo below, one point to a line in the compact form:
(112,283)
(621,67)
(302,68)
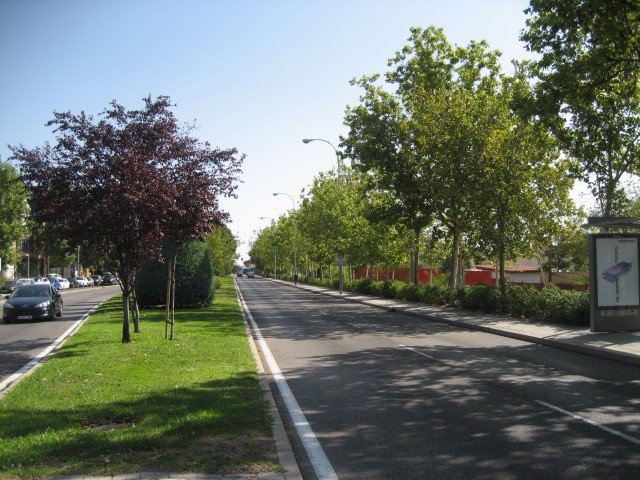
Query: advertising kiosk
(614,275)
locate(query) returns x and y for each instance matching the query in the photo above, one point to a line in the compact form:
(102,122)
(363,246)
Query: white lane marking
(617,433)
(418,352)
(354,326)
(319,460)
(43,354)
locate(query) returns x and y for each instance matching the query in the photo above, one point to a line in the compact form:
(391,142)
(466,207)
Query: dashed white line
(418,352)
(617,433)
(318,458)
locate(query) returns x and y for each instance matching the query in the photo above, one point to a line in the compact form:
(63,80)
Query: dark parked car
(8,287)
(97,279)
(109,279)
(33,302)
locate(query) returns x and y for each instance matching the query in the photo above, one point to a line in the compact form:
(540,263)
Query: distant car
(55,283)
(8,287)
(79,281)
(108,279)
(64,283)
(42,280)
(33,302)
(90,282)
(239,273)
(25,281)
(53,275)
(97,279)
(251,274)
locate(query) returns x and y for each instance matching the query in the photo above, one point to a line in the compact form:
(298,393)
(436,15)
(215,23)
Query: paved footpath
(622,347)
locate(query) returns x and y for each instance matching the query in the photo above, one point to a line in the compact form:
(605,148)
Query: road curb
(283,446)
(563,345)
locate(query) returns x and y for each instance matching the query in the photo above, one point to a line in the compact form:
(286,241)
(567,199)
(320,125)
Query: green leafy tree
(448,89)
(588,91)
(14,210)
(524,190)
(382,146)
(223,245)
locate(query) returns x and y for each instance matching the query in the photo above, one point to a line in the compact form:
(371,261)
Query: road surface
(394,397)
(20,342)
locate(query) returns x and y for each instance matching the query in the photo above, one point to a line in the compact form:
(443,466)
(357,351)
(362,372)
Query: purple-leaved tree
(120,183)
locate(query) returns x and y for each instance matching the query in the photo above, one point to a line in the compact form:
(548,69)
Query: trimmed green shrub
(195,284)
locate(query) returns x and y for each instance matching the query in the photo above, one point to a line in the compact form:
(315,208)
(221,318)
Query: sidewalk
(622,347)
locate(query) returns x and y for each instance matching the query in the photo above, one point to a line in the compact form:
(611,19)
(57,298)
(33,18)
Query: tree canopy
(587,87)
(14,211)
(128,179)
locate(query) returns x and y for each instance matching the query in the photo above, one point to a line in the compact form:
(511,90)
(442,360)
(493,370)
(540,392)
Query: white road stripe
(319,460)
(418,352)
(43,354)
(617,433)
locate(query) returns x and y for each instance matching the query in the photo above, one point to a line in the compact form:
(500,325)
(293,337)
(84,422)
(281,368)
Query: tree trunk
(167,319)
(455,256)
(415,256)
(126,334)
(550,264)
(173,296)
(136,311)
(501,256)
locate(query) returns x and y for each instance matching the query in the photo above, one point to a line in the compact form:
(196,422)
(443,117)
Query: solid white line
(590,422)
(319,460)
(419,352)
(43,354)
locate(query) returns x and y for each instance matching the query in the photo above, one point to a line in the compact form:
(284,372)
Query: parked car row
(60,283)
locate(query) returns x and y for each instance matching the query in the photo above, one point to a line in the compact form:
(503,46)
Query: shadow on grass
(213,426)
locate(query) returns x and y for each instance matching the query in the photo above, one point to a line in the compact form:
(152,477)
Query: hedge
(550,304)
(195,285)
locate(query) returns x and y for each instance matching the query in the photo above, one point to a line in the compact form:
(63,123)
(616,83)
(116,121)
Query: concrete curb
(564,345)
(175,476)
(283,446)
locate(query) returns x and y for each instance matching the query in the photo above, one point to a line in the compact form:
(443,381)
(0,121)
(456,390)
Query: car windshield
(33,291)
(9,283)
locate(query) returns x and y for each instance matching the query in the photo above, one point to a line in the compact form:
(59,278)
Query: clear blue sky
(257,75)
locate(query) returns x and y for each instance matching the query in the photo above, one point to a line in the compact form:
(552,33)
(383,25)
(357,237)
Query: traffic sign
(341,259)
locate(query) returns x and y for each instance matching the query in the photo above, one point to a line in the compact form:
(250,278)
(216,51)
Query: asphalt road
(393,397)
(20,342)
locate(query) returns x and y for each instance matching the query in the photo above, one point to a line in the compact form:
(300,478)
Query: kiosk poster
(617,272)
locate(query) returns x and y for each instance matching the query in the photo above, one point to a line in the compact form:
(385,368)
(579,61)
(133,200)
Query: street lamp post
(275,254)
(295,261)
(28,269)
(338,157)
(339,161)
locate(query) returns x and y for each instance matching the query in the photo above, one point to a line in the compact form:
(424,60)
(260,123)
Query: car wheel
(6,320)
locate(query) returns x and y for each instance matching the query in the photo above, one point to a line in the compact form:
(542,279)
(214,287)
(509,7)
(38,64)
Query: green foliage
(177,404)
(13,213)
(551,304)
(223,246)
(588,87)
(194,278)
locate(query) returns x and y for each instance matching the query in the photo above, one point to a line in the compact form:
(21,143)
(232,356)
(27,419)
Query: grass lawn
(101,407)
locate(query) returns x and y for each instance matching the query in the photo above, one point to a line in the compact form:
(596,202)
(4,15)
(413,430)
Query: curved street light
(295,261)
(338,156)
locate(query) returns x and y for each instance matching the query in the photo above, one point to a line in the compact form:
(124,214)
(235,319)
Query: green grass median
(100,407)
